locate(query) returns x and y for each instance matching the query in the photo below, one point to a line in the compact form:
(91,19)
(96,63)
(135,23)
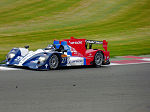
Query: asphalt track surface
(123,88)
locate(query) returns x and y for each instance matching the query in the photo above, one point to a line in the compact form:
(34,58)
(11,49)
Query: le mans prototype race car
(68,52)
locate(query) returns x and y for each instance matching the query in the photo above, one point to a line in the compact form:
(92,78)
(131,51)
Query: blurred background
(125,24)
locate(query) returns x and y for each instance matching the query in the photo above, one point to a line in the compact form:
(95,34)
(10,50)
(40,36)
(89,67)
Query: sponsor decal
(94,42)
(75,61)
(75,42)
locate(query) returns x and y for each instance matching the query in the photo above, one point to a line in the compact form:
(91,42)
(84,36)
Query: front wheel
(98,59)
(54,62)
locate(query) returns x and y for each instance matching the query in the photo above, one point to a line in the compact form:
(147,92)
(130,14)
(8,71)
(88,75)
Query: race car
(68,52)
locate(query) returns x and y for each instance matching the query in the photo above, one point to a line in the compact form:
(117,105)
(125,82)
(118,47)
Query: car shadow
(73,68)
(61,68)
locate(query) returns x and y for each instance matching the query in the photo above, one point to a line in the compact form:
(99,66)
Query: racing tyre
(98,59)
(54,62)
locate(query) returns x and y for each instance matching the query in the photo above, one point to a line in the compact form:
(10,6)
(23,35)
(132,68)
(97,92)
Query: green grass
(124,23)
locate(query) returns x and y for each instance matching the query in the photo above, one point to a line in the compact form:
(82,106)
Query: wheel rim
(53,62)
(98,59)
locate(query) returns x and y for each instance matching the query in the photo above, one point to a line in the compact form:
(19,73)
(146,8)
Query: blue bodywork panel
(30,59)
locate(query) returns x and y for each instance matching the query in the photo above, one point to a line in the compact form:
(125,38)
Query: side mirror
(26,47)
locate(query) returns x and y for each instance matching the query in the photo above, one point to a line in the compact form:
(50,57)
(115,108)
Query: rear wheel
(54,62)
(98,59)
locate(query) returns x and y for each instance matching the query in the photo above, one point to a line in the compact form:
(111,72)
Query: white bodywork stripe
(29,56)
(23,51)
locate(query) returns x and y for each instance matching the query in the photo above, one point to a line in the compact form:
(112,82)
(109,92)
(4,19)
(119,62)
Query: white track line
(2,68)
(112,64)
(146,59)
(7,68)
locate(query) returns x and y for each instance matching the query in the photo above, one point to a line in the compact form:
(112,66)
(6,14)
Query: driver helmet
(50,47)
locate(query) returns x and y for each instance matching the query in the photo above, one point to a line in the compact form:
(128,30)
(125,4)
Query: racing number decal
(64,60)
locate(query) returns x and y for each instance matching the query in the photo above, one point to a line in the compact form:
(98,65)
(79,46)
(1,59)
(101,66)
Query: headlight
(11,55)
(42,59)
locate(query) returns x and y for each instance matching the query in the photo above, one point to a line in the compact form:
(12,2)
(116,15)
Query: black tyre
(98,59)
(54,62)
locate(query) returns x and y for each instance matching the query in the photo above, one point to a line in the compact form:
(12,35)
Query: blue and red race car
(68,52)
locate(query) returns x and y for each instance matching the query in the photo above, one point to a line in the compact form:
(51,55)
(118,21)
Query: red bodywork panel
(79,46)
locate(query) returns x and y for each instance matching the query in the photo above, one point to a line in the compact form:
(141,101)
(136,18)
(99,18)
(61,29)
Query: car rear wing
(94,42)
(90,42)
